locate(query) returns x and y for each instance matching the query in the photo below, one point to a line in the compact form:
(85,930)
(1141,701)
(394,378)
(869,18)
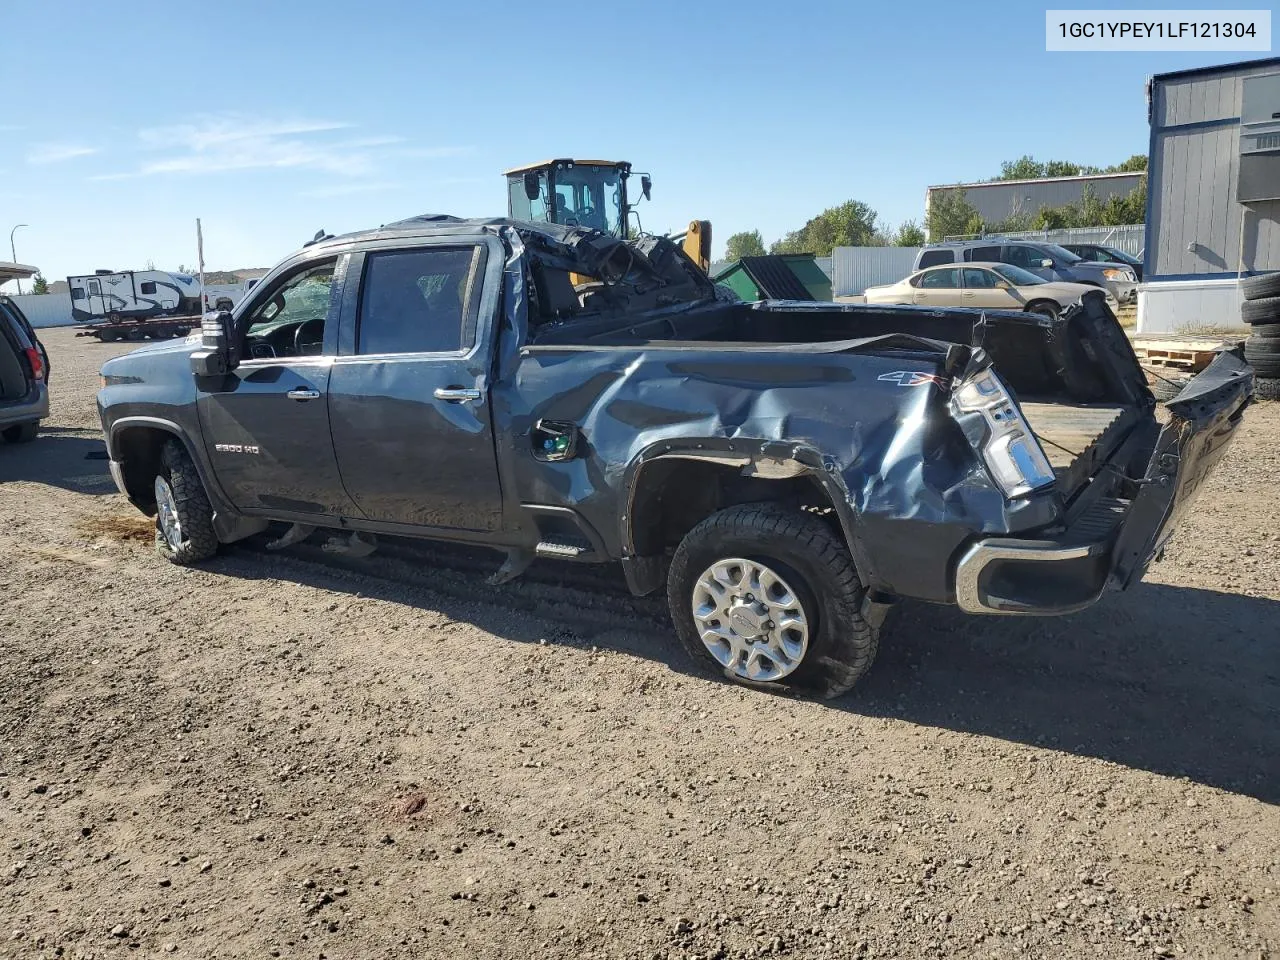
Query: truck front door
(409,396)
(265,424)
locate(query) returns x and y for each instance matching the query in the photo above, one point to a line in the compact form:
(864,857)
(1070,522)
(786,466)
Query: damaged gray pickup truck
(784,470)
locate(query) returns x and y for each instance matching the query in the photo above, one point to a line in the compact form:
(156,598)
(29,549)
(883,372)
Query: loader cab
(586,193)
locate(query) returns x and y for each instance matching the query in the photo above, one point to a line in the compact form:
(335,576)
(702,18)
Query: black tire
(804,551)
(1166,390)
(1266,388)
(1271,330)
(1044,308)
(1265,366)
(134,335)
(1262,346)
(195,514)
(1266,310)
(109,336)
(1256,288)
(21,432)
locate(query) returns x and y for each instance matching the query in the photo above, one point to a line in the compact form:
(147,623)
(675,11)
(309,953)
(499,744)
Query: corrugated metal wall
(1128,238)
(999,200)
(46,309)
(853,269)
(1196,223)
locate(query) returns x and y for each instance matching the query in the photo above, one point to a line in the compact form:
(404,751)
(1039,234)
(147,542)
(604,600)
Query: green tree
(908,234)
(748,243)
(851,224)
(951,214)
(40,284)
(1135,164)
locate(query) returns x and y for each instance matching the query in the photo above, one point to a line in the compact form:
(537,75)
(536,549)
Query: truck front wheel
(772,596)
(184,516)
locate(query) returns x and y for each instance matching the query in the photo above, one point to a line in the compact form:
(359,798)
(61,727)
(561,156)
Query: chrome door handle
(456,394)
(303,393)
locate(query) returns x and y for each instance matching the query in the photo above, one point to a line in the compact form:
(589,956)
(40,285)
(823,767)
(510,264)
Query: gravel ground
(289,756)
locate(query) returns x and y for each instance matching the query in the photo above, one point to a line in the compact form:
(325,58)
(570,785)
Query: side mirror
(213,358)
(1046,263)
(646,184)
(1003,285)
(532,189)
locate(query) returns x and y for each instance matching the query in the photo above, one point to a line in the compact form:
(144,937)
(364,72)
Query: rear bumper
(1112,543)
(32,407)
(1042,577)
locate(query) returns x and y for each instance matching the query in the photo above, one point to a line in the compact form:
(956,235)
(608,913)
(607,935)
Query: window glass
(941,280)
(147,288)
(931,257)
(1054,252)
(1017,276)
(77,293)
(983,254)
(1026,257)
(522,208)
(291,321)
(95,288)
(975,278)
(416,301)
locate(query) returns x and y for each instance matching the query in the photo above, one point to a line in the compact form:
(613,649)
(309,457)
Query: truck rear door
(409,393)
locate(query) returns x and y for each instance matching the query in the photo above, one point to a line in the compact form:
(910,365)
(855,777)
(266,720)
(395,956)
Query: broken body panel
(611,416)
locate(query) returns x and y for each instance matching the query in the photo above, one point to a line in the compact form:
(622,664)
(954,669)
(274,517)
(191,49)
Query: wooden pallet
(1190,354)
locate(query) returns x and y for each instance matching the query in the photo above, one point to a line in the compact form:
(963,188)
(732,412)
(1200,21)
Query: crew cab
(784,470)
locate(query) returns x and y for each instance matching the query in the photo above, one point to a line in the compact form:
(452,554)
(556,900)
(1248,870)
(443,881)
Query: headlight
(1116,273)
(1009,448)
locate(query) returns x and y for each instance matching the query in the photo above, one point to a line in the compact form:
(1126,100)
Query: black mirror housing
(214,356)
(646,185)
(532,189)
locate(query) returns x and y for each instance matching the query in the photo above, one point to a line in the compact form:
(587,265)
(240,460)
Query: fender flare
(767,459)
(228,523)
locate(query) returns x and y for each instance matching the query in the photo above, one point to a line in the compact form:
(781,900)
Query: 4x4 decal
(915,378)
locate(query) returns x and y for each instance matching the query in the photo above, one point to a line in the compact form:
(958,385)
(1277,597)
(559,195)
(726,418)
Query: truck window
(77,293)
(291,321)
(983,254)
(419,301)
(931,258)
(147,288)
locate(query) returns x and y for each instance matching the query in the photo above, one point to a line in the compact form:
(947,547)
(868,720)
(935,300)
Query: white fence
(853,269)
(46,309)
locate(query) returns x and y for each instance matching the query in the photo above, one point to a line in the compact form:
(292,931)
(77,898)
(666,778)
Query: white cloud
(232,142)
(58,152)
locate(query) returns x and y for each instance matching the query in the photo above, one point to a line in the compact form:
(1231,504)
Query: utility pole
(14,251)
(204,300)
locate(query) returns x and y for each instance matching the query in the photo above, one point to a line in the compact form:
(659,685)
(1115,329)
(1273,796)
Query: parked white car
(993,286)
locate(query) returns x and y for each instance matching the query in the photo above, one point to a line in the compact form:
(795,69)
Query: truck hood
(151,353)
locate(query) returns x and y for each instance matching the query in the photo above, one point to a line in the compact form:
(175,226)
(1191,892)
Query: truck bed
(1076,437)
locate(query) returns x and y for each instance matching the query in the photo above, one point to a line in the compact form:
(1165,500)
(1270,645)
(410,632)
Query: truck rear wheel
(772,597)
(184,516)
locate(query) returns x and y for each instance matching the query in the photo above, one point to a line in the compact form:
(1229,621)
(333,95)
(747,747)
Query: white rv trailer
(133,294)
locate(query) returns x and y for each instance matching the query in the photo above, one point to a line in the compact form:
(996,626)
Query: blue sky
(271,120)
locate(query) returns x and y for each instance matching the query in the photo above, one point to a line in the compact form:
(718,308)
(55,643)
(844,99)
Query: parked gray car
(24,376)
(1046,260)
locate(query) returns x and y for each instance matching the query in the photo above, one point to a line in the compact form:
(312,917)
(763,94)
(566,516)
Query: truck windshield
(590,196)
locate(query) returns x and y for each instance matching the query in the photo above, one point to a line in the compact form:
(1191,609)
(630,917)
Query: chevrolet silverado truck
(784,470)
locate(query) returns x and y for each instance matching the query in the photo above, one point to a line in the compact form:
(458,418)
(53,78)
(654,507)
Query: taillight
(37,363)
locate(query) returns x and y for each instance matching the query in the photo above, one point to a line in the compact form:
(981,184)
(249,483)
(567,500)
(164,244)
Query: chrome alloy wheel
(750,619)
(167,514)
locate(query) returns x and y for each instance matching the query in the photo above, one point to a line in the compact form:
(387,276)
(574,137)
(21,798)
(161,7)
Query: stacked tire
(1261,310)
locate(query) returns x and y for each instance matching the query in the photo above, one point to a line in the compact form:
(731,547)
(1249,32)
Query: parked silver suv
(1046,260)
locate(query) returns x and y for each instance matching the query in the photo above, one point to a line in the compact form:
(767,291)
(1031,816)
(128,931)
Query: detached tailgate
(1202,420)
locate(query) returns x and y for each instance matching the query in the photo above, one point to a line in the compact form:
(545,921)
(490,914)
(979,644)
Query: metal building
(1213,202)
(998,200)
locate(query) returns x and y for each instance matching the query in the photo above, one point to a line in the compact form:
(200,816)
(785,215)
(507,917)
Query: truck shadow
(1178,681)
(58,459)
